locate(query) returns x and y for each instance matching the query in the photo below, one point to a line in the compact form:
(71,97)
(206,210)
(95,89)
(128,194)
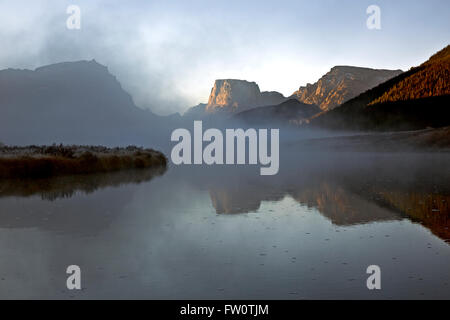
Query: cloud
(167,54)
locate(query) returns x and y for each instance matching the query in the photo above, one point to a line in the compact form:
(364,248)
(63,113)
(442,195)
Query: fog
(167,54)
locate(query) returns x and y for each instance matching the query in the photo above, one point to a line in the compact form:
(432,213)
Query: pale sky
(167,53)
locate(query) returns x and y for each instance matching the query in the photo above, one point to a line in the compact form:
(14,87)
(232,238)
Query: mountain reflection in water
(347,193)
(229,233)
(410,186)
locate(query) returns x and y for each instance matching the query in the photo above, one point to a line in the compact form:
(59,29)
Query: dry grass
(42,161)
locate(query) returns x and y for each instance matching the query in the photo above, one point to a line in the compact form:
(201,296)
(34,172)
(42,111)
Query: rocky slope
(231,95)
(340,84)
(428,80)
(413,100)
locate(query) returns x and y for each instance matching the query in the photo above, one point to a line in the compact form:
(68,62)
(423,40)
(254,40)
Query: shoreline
(58,160)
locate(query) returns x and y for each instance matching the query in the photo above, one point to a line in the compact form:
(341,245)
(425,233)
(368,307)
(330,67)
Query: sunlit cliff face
(233,95)
(340,84)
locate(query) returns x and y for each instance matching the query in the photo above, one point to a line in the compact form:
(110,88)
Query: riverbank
(427,140)
(57,160)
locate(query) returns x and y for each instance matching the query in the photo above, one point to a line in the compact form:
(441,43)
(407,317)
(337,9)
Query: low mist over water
(227,232)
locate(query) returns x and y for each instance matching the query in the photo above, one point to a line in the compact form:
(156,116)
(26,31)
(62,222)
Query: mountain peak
(233,95)
(442,55)
(415,99)
(72,65)
(79,100)
(428,80)
(341,84)
(229,80)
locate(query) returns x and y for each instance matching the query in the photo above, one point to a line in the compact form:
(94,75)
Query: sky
(167,53)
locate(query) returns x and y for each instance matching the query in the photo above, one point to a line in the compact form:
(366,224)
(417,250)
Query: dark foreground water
(213,233)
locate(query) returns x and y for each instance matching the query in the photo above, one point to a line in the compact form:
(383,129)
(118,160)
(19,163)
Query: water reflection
(74,213)
(67,186)
(378,188)
(351,195)
(228,233)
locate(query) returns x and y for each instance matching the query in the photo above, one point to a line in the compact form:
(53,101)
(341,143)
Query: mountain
(72,102)
(413,100)
(428,80)
(340,84)
(195,112)
(229,96)
(290,111)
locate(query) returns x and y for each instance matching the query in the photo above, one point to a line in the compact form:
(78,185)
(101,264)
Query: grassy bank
(48,161)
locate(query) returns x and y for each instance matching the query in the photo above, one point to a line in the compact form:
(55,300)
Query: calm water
(188,233)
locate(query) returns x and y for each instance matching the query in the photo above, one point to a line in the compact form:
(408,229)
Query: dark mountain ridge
(72,102)
(290,111)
